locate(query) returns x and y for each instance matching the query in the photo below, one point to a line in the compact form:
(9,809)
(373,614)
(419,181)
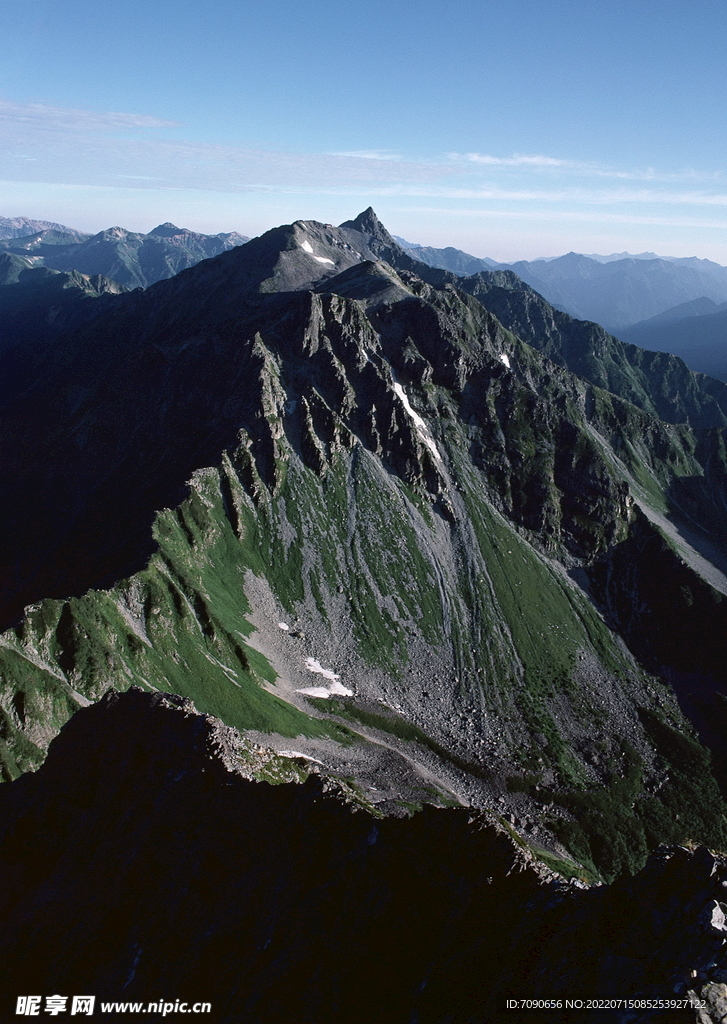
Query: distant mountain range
(130,258)
(21,227)
(614,291)
(632,296)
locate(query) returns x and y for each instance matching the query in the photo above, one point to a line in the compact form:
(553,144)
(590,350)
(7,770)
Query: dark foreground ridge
(139,863)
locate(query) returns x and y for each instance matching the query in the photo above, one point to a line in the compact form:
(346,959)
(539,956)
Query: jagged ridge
(411,483)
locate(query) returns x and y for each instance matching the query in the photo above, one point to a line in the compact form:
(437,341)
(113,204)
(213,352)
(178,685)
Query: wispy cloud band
(41,116)
(45,143)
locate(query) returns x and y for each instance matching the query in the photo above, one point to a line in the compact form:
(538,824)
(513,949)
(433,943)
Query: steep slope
(416,494)
(130,258)
(660,384)
(456,260)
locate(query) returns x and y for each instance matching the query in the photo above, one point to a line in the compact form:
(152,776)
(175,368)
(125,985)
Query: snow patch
(307,247)
(419,423)
(340,690)
(336,688)
(504,359)
(298,753)
(315,666)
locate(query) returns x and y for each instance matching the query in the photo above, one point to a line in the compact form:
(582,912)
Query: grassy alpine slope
(429,506)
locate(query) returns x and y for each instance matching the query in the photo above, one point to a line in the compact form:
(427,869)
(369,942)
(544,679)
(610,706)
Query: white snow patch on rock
(504,358)
(315,666)
(335,688)
(298,753)
(307,247)
(419,423)
(340,690)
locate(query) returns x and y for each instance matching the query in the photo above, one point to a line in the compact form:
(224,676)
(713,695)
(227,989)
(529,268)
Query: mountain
(657,382)
(166,875)
(683,311)
(622,256)
(129,258)
(621,292)
(698,337)
(450,259)
(21,227)
(322,491)
(613,291)
(37,302)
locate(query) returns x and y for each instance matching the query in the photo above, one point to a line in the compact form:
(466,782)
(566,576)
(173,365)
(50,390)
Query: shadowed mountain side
(38,304)
(163,873)
(701,341)
(162,870)
(110,439)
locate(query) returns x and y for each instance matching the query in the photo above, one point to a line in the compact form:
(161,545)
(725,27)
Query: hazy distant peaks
(623,256)
(22,227)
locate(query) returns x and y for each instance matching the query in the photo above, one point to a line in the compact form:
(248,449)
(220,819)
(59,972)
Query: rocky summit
(423,537)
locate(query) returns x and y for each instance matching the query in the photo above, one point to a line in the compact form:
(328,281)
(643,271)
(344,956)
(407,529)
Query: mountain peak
(167,230)
(369,224)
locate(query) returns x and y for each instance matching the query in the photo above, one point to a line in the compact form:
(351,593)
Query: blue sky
(509,128)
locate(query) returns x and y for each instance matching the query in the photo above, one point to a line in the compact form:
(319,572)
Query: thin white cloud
(581,216)
(41,115)
(516,160)
(541,162)
(369,154)
(79,147)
